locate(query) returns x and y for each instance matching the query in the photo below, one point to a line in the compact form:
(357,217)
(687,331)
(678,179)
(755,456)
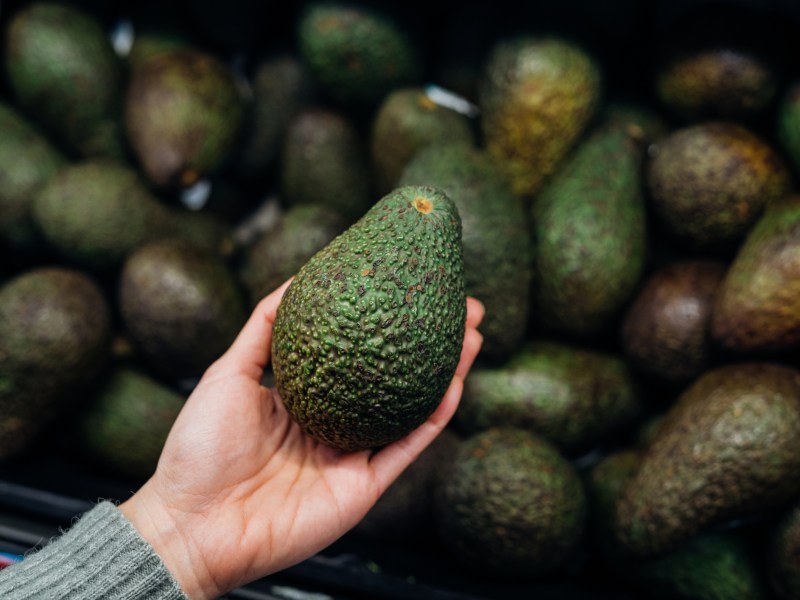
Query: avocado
(710,182)
(788,122)
(572,397)
(154,38)
(29,160)
(368,335)
(62,71)
(666,330)
(406,122)
(183,116)
(537,96)
(356,54)
(495,239)
(324,161)
(728,447)
(301,232)
(510,505)
(126,421)
(54,340)
(180,305)
(640,120)
(756,309)
(589,234)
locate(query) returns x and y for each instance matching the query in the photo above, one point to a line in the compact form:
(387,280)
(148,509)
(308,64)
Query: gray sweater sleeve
(101,556)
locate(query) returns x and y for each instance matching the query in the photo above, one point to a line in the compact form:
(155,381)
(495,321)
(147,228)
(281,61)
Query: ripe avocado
(369,333)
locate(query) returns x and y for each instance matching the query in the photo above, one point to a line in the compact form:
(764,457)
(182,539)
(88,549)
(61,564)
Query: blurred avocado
(495,238)
(55,334)
(589,233)
(641,121)
(510,505)
(357,54)
(183,115)
(783,547)
(729,447)
(126,422)
(29,161)
(666,330)
(573,397)
(64,73)
(788,122)
(407,121)
(180,305)
(709,183)
(324,161)
(151,40)
(537,97)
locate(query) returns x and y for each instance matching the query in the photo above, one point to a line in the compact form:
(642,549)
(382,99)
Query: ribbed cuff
(102,556)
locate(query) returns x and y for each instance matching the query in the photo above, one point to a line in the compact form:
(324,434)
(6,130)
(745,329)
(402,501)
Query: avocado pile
(618,188)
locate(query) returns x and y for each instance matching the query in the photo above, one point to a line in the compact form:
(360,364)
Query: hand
(241,492)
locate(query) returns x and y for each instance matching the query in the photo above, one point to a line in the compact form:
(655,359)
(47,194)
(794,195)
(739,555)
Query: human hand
(241,492)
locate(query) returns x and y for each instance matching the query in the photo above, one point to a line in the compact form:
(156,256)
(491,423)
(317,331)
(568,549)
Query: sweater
(101,556)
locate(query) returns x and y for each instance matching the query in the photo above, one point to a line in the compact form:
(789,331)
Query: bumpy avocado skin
(180,305)
(183,115)
(29,160)
(356,54)
(727,447)
(570,396)
(302,232)
(758,307)
(709,183)
(589,234)
(511,505)
(54,339)
(324,161)
(406,122)
(496,239)
(126,422)
(538,95)
(666,331)
(369,333)
(63,71)
(783,548)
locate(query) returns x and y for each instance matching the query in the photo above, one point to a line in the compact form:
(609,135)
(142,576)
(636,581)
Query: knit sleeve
(101,556)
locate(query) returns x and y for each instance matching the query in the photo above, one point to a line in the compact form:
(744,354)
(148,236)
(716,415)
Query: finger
(390,461)
(475,312)
(469,350)
(249,352)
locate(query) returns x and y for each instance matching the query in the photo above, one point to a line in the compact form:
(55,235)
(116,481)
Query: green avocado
(369,333)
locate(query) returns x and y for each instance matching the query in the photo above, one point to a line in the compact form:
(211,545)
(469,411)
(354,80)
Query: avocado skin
(29,160)
(406,122)
(511,505)
(54,340)
(126,422)
(570,396)
(180,305)
(589,234)
(369,333)
(183,116)
(666,330)
(527,133)
(729,446)
(757,308)
(709,183)
(324,161)
(495,238)
(302,231)
(63,71)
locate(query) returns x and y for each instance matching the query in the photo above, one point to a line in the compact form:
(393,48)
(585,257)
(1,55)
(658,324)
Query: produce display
(615,182)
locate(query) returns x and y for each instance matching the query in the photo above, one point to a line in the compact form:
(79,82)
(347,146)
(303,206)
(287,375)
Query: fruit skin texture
(537,97)
(63,71)
(369,333)
(570,396)
(183,114)
(511,504)
(666,331)
(54,340)
(589,234)
(758,306)
(730,445)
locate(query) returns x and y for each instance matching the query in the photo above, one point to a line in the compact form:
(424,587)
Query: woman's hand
(241,492)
